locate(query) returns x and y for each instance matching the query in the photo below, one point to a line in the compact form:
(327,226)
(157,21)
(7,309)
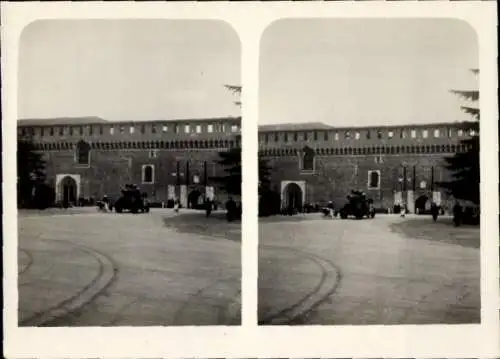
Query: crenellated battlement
(396,139)
(366,150)
(225,133)
(163,134)
(217,144)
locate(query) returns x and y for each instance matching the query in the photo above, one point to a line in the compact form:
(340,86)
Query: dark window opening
(308,159)
(374,178)
(148,174)
(83,153)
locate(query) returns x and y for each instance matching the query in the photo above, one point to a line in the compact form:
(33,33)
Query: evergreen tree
(264,175)
(235,89)
(230,161)
(30,172)
(464,165)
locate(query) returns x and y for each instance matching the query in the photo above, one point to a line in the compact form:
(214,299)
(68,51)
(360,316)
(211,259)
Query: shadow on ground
(442,230)
(197,223)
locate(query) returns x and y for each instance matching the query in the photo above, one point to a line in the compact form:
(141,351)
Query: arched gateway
(292,195)
(421,204)
(194,198)
(67,188)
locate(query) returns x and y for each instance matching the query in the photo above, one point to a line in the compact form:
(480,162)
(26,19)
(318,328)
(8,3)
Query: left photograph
(129,173)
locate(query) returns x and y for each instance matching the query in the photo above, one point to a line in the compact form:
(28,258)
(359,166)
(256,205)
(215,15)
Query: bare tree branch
(235,89)
(471,111)
(468,95)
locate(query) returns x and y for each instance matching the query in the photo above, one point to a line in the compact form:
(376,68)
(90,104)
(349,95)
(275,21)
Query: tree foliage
(464,165)
(31,188)
(230,181)
(235,89)
(269,198)
(231,162)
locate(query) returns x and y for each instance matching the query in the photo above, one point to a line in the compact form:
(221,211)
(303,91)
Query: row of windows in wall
(131,129)
(348,135)
(375,177)
(148,175)
(202,144)
(82,154)
(369,150)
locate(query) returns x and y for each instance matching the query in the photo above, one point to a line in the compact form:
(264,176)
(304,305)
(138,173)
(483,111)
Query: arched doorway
(68,190)
(293,197)
(420,204)
(193,198)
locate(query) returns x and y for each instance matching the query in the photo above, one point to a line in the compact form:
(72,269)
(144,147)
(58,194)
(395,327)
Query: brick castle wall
(335,176)
(343,157)
(109,170)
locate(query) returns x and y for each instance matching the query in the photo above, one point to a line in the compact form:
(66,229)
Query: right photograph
(369,172)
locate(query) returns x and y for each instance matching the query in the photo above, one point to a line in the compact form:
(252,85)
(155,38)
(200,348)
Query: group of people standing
(233,210)
(435,210)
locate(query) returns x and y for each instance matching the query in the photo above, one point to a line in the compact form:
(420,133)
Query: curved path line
(193,296)
(104,278)
(298,312)
(232,313)
(30,261)
(270,317)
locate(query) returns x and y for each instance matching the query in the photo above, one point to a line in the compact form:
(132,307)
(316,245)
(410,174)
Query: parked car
(131,200)
(358,206)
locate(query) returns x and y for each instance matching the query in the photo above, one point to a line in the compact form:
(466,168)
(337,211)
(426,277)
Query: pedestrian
(176,206)
(65,203)
(403,211)
(434,211)
(457,214)
(331,209)
(208,206)
(105,201)
(230,209)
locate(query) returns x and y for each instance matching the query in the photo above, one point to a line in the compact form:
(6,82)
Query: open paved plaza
(389,270)
(83,268)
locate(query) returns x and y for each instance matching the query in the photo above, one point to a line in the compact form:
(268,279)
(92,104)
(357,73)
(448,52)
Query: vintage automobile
(131,200)
(357,206)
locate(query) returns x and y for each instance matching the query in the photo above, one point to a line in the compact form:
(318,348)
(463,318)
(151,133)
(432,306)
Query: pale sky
(128,69)
(365,71)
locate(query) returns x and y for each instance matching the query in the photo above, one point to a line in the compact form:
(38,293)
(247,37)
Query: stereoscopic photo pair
(130,170)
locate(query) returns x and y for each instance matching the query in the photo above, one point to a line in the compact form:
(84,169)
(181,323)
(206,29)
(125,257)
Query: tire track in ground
(224,311)
(55,315)
(28,264)
(298,312)
(231,312)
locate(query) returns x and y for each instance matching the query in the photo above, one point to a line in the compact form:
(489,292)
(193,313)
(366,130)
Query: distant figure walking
(331,209)
(65,203)
(457,214)
(403,211)
(105,202)
(231,209)
(208,207)
(434,211)
(176,206)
